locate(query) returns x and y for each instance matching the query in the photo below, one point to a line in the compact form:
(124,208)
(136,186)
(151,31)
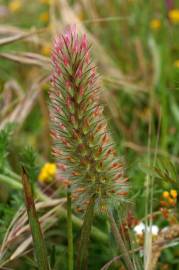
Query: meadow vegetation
(89,124)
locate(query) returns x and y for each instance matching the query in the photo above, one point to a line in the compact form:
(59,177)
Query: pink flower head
(87,57)
(65,60)
(68,84)
(79,131)
(84,44)
(79,72)
(169,4)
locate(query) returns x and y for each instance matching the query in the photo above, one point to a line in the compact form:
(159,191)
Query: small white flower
(155,230)
(140,228)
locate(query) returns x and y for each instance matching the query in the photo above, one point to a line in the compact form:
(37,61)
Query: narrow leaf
(38,241)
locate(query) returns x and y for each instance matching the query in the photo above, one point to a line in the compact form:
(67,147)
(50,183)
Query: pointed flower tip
(69,43)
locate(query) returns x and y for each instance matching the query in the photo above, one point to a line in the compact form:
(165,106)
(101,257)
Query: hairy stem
(85,236)
(120,242)
(69,231)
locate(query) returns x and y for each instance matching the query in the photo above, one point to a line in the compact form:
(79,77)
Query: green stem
(10,173)
(69,231)
(8,180)
(96,233)
(85,236)
(14,183)
(120,242)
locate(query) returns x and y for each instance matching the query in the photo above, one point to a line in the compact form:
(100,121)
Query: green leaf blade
(38,241)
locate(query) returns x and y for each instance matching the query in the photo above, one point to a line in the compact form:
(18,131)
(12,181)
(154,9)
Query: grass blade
(16,37)
(27,58)
(38,241)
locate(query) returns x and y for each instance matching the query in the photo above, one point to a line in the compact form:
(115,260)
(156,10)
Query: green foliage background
(141,93)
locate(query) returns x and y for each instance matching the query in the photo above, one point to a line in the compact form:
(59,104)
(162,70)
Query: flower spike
(79,129)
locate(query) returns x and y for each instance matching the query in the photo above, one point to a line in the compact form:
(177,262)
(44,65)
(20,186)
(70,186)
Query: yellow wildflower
(173,193)
(46,49)
(176,63)
(47,172)
(15,5)
(44,16)
(165,194)
(174,15)
(155,24)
